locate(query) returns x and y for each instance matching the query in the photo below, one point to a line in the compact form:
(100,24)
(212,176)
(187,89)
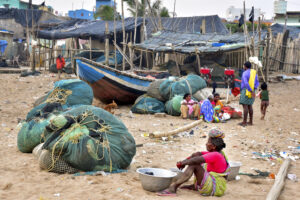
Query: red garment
(60,63)
(215,161)
(232,112)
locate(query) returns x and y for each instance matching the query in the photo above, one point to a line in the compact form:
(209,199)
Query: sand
(21,178)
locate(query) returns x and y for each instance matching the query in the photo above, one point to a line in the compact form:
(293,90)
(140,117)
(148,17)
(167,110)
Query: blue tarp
(3,45)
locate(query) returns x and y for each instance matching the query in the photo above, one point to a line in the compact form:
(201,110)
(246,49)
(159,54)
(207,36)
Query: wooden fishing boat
(110,84)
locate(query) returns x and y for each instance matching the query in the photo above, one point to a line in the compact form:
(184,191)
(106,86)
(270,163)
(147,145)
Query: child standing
(264,96)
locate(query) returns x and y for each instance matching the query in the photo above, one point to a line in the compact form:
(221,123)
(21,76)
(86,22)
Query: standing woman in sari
(248,86)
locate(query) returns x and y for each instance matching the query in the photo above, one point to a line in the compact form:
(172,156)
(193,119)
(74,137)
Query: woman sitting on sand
(207,109)
(189,108)
(209,167)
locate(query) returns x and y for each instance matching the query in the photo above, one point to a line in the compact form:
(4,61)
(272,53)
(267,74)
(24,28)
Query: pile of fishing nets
(76,135)
(147,105)
(65,95)
(172,90)
(89,139)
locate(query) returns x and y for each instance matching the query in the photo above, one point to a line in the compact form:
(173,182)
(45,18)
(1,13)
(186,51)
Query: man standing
(60,64)
(248,86)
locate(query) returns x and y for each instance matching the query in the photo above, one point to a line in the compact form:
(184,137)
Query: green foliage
(106,13)
(156,8)
(164,12)
(234,27)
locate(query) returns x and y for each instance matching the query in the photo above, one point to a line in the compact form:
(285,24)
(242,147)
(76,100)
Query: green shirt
(265,95)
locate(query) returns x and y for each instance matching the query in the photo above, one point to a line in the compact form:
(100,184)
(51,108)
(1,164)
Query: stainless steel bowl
(160,180)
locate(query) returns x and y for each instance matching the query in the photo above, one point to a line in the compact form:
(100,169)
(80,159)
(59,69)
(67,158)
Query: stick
(274,193)
(124,55)
(227,95)
(173,132)
(124,42)
(115,35)
(106,44)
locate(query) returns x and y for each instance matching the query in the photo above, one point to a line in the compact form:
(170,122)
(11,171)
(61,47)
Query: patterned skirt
(244,99)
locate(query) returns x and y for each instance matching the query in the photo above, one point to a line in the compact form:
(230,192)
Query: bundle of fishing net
(67,93)
(173,105)
(190,84)
(88,138)
(30,135)
(148,105)
(153,90)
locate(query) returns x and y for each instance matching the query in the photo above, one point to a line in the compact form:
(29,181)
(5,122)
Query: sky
(183,7)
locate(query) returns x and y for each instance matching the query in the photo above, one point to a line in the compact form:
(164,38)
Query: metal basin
(155,179)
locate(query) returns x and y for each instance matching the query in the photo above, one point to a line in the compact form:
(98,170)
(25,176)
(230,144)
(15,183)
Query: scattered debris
(160,115)
(292,177)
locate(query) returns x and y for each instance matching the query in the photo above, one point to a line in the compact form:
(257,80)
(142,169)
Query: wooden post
(147,60)
(115,34)
(259,30)
(177,65)
(135,21)
(39,53)
(72,56)
(144,35)
(198,60)
(203,27)
(245,32)
(141,60)
(107,44)
(91,47)
(51,53)
(274,193)
(283,49)
(124,39)
(33,58)
(267,56)
(130,54)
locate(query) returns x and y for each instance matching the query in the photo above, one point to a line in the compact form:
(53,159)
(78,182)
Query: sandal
(166,193)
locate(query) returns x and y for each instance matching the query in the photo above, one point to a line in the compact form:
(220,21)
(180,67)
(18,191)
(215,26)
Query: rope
(103,130)
(59,95)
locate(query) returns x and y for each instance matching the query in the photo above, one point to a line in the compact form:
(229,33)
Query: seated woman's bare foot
(188,187)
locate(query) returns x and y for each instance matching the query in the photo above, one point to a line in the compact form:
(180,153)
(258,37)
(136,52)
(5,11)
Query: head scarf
(214,133)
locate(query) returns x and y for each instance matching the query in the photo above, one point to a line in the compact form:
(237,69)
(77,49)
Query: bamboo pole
(124,39)
(33,59)
(141,60)
(147,60)
(173,132)
(115,34)
(135,20)
(267,56)
(274,193)
(177,66)
(198,60)
(245,31)
(203,26)
(106,44)
(91,47)
(144,23)
(39,53)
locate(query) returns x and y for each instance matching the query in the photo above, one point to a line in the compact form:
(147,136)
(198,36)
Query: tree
(164,12)
(106,13)
(156,8)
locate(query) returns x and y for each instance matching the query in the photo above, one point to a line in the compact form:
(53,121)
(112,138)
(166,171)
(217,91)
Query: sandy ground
(21,178)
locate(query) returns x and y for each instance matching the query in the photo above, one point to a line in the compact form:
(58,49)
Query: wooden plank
(173,132)
(274,193)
